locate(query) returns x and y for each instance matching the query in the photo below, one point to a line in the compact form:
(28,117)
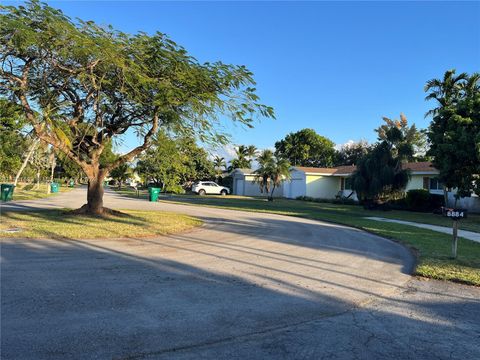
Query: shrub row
(415,200)
(330,201)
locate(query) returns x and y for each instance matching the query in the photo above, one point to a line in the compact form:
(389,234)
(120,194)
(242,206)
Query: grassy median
(54,224)
(30,191)
(432,248)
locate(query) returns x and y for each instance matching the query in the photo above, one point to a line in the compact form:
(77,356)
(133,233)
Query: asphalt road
(245,285)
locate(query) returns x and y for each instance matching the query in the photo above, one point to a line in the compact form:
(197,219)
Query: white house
(330,183)
(244,183)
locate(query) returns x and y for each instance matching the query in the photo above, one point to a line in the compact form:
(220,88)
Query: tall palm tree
(219,163)
(262,174)
(280,172)
(243,157)
(251,151)
(446,91)
(271,173)
(472,85)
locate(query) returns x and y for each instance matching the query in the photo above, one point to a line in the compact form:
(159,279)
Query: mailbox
(454,214)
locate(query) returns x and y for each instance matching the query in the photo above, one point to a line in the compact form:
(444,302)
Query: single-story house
(244,183)
(330,183)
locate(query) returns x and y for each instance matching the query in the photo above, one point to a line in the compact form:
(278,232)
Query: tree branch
(146,142)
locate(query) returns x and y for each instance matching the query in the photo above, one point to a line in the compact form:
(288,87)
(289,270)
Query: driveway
(245,285)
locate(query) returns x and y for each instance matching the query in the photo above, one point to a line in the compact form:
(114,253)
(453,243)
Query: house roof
(423,166)
(243,171)
(339,170)
(417,167)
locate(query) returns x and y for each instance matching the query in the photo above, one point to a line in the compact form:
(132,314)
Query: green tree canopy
(12,140)
(351,153)
(171,162)
(454,133)
(306,148)
(244,156)
(272,171)
(81,85)
(219,163)
(121,173)
(405,141)
(381,174)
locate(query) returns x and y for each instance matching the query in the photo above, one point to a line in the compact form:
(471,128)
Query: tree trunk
(38,179)
(31,150)
(52,169)
(445,196)
(271,194)
(95,196)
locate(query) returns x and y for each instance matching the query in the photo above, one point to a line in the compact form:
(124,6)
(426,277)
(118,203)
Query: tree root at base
(85,210)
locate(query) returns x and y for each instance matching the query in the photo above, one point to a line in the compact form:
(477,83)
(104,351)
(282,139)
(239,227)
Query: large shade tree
(81,86)
(306,148)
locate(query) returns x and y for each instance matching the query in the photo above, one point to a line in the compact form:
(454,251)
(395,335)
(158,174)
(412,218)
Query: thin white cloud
(225,151)
(348,143)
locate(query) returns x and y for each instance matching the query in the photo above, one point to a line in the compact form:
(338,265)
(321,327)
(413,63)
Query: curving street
(244,285)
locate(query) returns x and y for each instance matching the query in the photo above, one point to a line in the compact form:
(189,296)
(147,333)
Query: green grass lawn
(55,224)
(30,191)
(432,248)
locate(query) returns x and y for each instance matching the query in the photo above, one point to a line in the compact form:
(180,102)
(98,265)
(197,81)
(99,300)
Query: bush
(305,198)
(422,200)
(174,189)
(343,201)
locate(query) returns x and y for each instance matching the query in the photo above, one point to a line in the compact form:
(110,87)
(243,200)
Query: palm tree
(265,164)
(251,151)
(219,163)
(446,91)
(271,173)
(472,85)
(244,155)
(280,171)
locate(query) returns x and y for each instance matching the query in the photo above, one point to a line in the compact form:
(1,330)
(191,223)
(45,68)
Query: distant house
(330,183)
(244,183)
(322,183)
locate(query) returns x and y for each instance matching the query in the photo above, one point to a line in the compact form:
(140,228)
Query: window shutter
(342,184)
(426,183)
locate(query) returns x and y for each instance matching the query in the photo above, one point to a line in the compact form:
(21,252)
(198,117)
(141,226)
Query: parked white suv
(209,187)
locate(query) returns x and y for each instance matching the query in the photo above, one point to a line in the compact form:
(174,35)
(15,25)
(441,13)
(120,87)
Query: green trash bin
(54,187)
(71,183)
(6,191)
(153,193)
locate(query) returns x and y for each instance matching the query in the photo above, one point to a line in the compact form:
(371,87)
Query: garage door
(297,188)
(239,187)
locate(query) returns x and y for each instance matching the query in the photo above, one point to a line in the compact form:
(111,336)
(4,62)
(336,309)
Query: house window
(346,184)
(435,184)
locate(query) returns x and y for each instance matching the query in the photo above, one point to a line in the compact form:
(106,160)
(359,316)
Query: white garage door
(239,187)
(297,188)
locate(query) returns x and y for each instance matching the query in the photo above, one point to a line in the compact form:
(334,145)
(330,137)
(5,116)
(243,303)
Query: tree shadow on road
(131,299)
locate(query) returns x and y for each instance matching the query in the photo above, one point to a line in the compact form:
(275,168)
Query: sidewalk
(470,235)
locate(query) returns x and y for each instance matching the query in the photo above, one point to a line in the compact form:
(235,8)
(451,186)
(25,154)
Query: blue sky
(336,67)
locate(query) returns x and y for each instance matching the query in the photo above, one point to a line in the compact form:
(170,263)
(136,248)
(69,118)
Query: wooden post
(455,238)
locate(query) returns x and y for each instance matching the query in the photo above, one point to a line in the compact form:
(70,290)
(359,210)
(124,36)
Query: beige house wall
(416,182)
(322,187)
